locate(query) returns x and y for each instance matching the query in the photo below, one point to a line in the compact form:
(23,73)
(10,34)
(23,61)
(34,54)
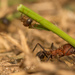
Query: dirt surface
(18,41)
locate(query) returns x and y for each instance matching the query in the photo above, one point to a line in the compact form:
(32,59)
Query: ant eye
(40,55)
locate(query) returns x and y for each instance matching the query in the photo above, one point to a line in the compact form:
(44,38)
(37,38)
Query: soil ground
(18,41)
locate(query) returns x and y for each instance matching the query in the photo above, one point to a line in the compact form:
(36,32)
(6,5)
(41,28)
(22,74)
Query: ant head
(26,20)
(41,55)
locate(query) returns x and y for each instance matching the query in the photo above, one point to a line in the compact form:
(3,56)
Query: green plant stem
(46,24)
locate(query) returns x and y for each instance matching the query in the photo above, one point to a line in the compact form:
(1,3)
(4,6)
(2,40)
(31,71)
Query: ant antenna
(44,51)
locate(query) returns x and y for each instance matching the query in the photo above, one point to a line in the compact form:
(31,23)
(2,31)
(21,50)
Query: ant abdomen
(5,21)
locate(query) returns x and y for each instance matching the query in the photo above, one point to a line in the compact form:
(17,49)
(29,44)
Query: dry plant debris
(30,64)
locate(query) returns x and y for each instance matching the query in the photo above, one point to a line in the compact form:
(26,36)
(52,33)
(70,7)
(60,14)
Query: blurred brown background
(60,12)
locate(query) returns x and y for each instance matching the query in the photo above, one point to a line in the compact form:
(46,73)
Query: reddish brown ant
(26,21)
(5,21)
(65,50)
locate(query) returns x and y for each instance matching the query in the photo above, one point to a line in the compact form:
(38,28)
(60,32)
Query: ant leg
(52,46)
(41,47)
(50,56)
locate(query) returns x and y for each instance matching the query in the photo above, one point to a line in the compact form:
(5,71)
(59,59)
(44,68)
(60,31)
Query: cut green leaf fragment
(46,24)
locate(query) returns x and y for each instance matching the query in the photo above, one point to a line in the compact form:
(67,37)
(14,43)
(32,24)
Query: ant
(4,24)
(26,21)
(5,21)
(65,50)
